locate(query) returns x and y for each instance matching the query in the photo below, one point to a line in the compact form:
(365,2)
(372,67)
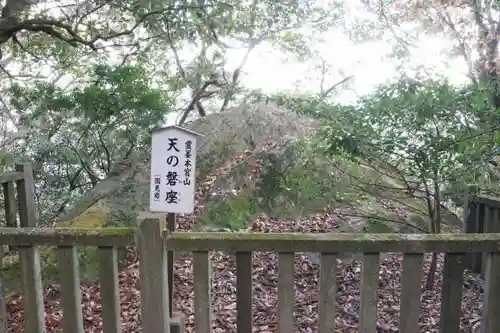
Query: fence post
(153,276)
(465,213)
(491,302)
(470,191)
(29,256)
(9,197)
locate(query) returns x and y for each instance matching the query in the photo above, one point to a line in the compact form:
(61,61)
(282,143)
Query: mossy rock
(295,181)
(11,272)
(232,213)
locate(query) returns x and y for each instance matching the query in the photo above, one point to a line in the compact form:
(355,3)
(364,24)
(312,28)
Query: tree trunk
(3,302)
(434,208)
(429,283)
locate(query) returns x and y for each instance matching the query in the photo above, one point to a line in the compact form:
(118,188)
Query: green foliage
(233,212)
(298,182)
(79,115)
(422,131)
(76,136)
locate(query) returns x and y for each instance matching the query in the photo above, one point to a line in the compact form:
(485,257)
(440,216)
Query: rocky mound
(240,133)
(255,159)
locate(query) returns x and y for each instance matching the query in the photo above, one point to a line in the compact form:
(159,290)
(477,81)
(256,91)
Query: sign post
(172,183)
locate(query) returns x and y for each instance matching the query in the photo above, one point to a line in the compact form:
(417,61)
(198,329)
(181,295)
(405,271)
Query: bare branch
(176,55)
(334,86)
(11,25)
(236,75)
(200,94)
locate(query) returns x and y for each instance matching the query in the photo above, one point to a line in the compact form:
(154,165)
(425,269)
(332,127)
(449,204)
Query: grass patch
(378,226)
(234,212)
(299,182)
(219,153)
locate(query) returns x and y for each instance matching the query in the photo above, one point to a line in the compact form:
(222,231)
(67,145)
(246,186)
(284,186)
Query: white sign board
(173,169)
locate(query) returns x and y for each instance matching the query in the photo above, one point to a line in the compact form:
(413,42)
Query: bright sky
(269,71)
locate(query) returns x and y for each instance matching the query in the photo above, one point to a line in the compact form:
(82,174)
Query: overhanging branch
(10,25)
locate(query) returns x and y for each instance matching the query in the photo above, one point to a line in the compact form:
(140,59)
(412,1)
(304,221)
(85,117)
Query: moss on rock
(234,212)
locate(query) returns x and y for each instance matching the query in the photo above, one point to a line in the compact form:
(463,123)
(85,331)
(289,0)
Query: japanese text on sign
(173,161)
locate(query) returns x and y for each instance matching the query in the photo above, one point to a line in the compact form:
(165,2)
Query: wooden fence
(152,241)
(481,215)
(18,184)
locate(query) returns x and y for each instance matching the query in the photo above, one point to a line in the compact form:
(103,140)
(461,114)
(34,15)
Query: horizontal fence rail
(11,176)
(485,200)
(120,237)
(331,242)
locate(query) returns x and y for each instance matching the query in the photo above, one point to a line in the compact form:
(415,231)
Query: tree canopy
(84,82)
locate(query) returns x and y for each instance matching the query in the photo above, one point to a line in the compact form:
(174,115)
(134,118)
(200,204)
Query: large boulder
(247,129)
(255,170)
(254,164)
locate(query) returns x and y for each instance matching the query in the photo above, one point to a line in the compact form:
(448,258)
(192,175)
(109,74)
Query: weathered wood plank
(474,259)
(286,292)
(153,276)
(29,258)
(471,222)
(327,292)
(244,311)
(466,210)
(410,298)
(369,292)
(488,227)
(202,293)
(496,220)
(9,195)
(331,242)
(110,296)
(486,200)
(29,255)
(10,221)
(491,301)
(71,297)
(171,218)
(451,292)
(26,196)
(119,237)
(3,310)
(10,176)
